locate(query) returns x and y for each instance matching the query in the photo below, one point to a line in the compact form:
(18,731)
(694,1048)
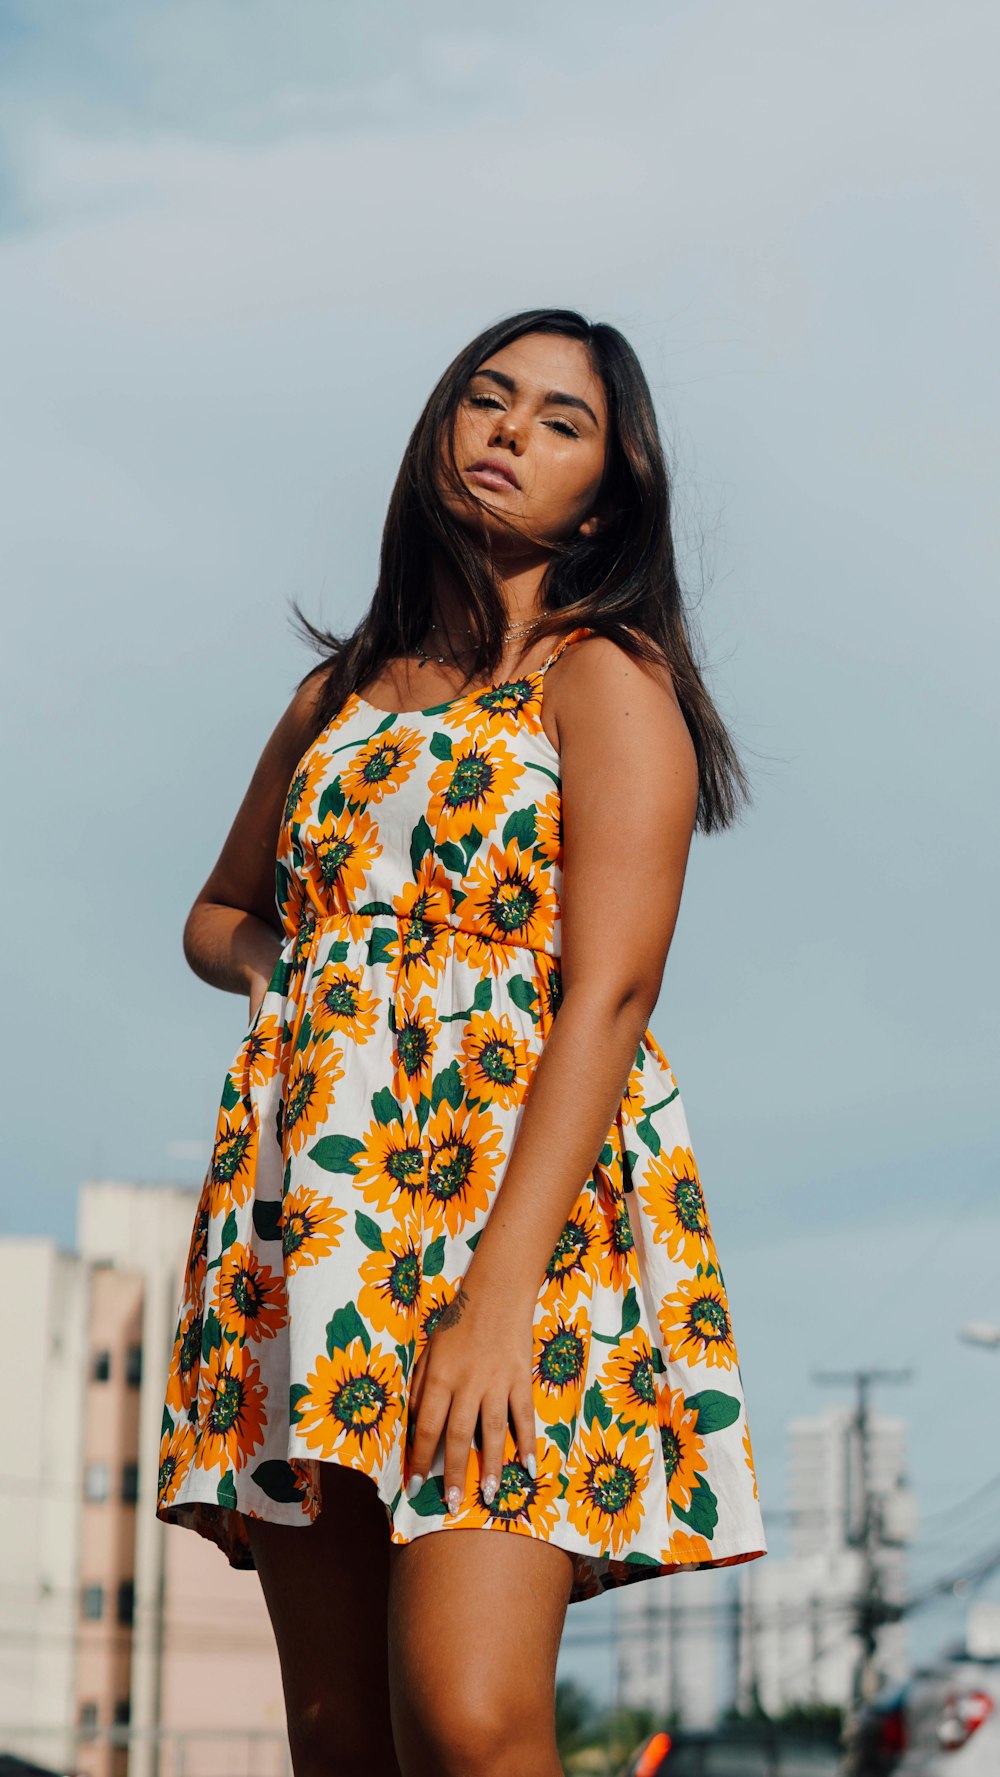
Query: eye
(485,401)
(563,427)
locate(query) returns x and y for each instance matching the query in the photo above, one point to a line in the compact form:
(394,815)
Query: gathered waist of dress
(508,927)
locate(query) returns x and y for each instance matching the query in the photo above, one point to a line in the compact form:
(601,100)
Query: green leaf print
(280,978)
(452,857)
(523,994)
(441,746)
(638,1559)
(376,907)
(229,1228)
(225,1493)
(296,1395)
(230,1094)
(389,720)
(430,1502)
(659,1366)
(369,1233)
(421,842)
(403,1354)
(703,1512)
(647,1133)
(448,1085)
(630,1313)
(305,1034)
(331,801)
(596,1407)
(277,1480)
(520,826)
(266,1219)
(434,1257)
(482,999)
(335,1153)
(423,1108)
(346,1326)
(211,1335)
(338,950)
(715,1411)
(470,845)
(386,1108)
(166,1423)
(474,1239)
(560,1435)
(380,945)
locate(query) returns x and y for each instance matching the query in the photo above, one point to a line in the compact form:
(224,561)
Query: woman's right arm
(232,935)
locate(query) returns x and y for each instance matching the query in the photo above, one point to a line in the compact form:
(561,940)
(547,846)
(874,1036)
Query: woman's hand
(475,1366)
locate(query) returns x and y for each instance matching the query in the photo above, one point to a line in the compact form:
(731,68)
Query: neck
(518,585)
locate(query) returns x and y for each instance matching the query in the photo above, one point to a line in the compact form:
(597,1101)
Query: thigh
(326,1590)
(475,1620)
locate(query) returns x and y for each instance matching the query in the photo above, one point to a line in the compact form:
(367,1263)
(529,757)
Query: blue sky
(236,249)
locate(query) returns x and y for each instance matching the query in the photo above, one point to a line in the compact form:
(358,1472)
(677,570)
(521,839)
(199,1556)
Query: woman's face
(530,441)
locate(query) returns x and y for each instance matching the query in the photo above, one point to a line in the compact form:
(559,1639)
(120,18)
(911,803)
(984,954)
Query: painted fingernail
(489,1489)
(530,1464)
(454,1499)
(413,1486)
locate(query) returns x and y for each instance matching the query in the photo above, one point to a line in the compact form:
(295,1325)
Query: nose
(506,434)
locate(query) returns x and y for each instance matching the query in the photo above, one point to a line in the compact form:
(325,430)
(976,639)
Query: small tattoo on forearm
(453,1313)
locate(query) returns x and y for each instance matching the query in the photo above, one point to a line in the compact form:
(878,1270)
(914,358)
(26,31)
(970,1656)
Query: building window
(133,1366)
(130,1483)
(93,1603)
(123,1712)
(100,1370)
(96,1481)
(126,1602)
(88,1721)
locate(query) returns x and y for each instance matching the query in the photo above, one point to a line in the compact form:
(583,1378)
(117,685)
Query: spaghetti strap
(573,635)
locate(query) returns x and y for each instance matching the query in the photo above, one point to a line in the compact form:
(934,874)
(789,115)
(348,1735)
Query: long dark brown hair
(621,582)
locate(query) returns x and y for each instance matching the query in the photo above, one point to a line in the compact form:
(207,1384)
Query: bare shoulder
(599,691)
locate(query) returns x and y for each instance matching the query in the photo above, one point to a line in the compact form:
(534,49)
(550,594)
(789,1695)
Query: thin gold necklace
(513,629)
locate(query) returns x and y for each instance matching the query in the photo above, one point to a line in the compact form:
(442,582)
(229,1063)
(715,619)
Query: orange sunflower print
(231,1413)
(351,1404)
(176,1456)
(470,789)
(562,1344)
(607,1475)
(683,1450)
(686,1550)
(571,1270)
(383,763)
(182,1385)
(494,1061)
(548,828)
(249,1299)
(627,1381)
(341,1005)
(505,708)
(391,1283)
(310,1078)
(672,1193)
(415,1035)
(391,1165)
(310,777)
(509,902)
(259,1054)
(695,1323)
(464,1153)
(519,1503)
(346,846)
(424,938)
(234,1158)
(310,1227)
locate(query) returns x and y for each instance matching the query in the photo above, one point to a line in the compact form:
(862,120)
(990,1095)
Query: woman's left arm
(629,799)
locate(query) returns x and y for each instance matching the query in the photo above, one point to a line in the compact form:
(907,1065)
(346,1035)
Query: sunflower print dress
(362,1134)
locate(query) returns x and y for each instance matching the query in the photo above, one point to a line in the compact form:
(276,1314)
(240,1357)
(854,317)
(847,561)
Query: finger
(435,1400)
(414,1390)
(522,1413)
(458,1443)
(493,1421)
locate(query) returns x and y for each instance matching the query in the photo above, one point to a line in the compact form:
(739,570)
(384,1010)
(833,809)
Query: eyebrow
(554,398)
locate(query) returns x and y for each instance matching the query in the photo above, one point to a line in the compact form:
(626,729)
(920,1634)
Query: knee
(464,1733)
(327,1742)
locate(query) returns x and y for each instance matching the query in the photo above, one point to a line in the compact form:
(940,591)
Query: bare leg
(475,1618)
(326,1590)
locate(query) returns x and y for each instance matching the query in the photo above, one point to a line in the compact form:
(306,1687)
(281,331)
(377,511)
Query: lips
(489,473)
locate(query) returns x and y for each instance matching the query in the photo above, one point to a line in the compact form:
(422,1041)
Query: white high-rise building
(798,1644)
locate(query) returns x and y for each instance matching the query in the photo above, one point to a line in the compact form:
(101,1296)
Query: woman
(420,1297)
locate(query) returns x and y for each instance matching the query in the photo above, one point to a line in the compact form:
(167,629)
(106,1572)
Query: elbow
(625,1005)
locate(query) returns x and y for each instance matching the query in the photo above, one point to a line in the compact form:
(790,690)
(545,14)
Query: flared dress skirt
(362,1135)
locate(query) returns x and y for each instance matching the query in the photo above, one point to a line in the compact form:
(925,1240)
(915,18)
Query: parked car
(732,1753)
(951,1721)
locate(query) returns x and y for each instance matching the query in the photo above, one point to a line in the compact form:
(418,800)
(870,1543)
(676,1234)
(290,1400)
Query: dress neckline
(438,709)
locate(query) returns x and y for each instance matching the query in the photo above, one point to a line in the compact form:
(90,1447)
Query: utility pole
(865,1533)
